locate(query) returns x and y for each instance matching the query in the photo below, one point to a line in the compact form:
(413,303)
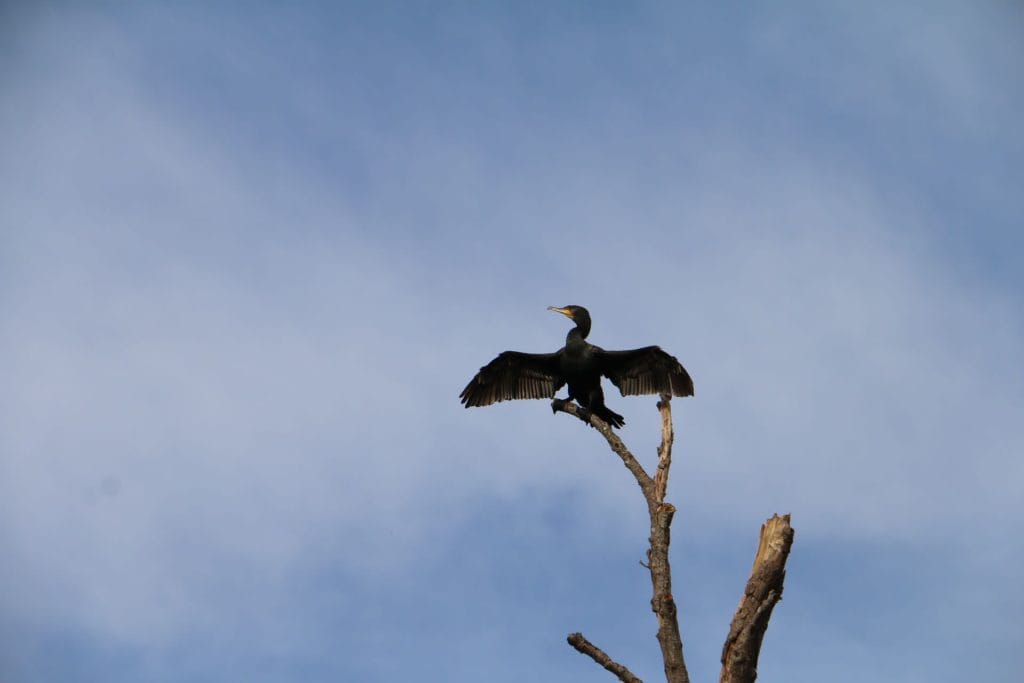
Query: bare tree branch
(662,602)
(764,589)
(665,450)
(631,463)
(661,513)
(598,655)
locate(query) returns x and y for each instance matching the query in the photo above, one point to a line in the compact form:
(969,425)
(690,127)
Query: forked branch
(763,590)
(661,513)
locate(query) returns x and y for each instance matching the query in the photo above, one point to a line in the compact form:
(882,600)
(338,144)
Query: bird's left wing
(514,375)
(645,371)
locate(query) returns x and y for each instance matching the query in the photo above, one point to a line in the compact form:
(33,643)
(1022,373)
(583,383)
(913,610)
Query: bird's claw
(557,404)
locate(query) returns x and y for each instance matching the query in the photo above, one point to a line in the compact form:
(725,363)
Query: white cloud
(222,373)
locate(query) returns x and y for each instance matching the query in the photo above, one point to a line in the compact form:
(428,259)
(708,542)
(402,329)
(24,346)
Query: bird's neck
(577,335)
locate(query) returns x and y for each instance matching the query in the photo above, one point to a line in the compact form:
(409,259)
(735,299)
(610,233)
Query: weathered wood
(660,513)
(598,655)
(665,450)
(662,602)
(614,442)
(764,589)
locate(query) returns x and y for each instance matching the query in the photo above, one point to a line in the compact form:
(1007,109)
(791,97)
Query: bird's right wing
(514,375)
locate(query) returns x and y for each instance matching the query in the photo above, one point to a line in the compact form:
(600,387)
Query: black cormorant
(513,374)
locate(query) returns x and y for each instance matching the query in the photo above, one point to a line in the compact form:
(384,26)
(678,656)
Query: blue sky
(250,255)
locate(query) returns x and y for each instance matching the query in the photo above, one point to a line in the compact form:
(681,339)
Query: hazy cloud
(245,275)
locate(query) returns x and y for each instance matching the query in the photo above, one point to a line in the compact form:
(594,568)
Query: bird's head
(571,312)
(578,315)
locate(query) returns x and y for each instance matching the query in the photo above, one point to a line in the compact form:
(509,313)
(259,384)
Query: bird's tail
(610,416)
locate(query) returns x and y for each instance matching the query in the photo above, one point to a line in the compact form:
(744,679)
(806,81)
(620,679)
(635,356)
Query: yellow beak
(564,311)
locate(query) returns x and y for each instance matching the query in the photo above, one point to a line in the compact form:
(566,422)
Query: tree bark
(660,513)
(586,647)
(764,589)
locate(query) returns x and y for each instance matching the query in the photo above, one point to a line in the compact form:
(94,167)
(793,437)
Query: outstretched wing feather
(647,370)
(513,375)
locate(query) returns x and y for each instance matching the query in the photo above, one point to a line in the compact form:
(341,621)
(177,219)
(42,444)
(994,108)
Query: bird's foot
(582,413)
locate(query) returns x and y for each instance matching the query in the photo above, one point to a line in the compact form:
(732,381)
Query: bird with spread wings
(581,365)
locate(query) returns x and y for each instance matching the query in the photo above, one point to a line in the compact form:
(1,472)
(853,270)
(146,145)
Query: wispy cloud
(237,313)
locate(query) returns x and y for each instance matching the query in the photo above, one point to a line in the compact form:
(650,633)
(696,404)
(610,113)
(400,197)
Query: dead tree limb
(586,647)
(619,448)
(660,513)
(665,450)
(764,589)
